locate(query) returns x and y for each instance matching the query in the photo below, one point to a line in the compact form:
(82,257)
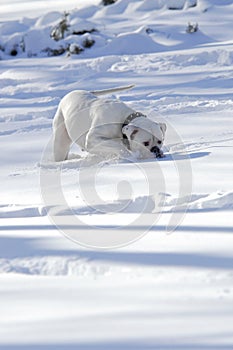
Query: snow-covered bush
(88,42)
(84,31)
(75,49)
(55,52)
(108,2)
(65,30)
(192,28)
(14,45)
(59,31)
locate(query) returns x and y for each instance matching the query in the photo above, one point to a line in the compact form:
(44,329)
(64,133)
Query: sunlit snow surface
(167,290)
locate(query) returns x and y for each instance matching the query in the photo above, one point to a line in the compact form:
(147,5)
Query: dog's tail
(110,91)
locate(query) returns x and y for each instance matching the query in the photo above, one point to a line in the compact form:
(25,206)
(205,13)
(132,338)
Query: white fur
(95,124)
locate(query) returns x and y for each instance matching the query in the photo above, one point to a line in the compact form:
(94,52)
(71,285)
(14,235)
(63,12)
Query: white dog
(104,127)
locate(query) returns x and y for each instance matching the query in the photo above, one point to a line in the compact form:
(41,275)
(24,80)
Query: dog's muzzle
(157,151)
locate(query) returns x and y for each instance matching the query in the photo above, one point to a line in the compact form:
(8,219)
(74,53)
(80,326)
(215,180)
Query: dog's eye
(147,143)
(159,142)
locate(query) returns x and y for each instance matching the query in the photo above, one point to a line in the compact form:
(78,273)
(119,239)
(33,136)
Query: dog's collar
(133,116)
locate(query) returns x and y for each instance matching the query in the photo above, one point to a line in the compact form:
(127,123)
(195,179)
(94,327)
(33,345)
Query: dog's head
(145,137)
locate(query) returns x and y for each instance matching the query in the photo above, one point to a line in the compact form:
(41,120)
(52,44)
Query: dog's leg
(61,144)
(61,139)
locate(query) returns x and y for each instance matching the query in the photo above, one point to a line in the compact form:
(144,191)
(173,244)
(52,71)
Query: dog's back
(75,114)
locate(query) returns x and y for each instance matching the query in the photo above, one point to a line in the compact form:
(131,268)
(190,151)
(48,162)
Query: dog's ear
(130,131)
(163,127)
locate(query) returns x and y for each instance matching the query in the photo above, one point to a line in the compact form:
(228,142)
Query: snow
(121,254)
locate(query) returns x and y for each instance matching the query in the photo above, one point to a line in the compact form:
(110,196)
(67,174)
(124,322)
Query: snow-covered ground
(169,284)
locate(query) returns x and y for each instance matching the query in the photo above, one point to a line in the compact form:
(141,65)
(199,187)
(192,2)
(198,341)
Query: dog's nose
(157,151)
